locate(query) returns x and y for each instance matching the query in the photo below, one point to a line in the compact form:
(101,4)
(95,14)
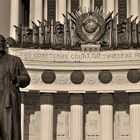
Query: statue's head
(2,44)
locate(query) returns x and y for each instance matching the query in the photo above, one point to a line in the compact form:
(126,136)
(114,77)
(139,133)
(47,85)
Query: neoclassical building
(89,93)
(24,12)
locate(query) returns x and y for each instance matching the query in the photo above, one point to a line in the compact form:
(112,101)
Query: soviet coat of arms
(89,26)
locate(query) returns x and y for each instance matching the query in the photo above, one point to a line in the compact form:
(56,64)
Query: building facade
(78,94)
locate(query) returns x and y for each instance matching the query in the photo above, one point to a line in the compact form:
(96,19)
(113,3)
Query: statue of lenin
(12,76)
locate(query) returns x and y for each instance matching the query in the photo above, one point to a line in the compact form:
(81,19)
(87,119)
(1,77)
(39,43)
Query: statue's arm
(23,78)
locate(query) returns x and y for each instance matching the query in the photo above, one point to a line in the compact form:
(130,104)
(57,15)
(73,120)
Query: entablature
(79,71)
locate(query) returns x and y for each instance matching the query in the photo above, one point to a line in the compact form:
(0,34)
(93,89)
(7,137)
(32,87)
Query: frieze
(75,56)
(105,76)
(77,77)
(91,81)
(62,79)
(35,78)
(48,76)
(133,76)
(120,78)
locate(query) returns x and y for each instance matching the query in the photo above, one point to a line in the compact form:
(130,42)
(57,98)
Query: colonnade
(77,116)
(62,6)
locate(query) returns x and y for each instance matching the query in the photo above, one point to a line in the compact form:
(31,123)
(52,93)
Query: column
(85,4)
(14,17)
(109,6)
(46,116)
(38,10)
(22,116)
(116,6)
(69,6)
(31,14)
(76,115)
(92,5)
(106,112)
(45,9)
(60,9)
(134,99)
(80,3)
(134,8)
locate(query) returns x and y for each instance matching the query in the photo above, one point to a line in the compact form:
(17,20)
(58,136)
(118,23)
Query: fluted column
(109,6)
(14,17)
(31,14)
(22,116)
(38,10)
(45,9)
(134,116)
(46,116)
(128,8)
(92,5)
(69,6)
(85,4)
(60,9)
(106,112)
(76,115)
(134,8)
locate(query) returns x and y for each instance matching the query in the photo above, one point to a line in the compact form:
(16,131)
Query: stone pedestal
(134,116)
(46,116)
(76,115)
(106,112)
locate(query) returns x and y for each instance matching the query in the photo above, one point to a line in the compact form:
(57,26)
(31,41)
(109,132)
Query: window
(25,12)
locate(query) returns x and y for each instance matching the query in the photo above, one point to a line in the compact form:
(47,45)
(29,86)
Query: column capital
(22,97)
(134,98)
(76,99)
(106,99)
(46,98)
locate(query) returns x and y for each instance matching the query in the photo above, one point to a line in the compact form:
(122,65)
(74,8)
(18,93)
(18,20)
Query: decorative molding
(35,77)
(77,77)
(91,79)
(119,78)
(133,76)
(48,76)
(105,76)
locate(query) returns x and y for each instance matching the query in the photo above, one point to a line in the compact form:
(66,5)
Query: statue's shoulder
(13,57)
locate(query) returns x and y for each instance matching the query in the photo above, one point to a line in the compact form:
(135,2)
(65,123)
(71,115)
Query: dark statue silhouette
(12,76)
